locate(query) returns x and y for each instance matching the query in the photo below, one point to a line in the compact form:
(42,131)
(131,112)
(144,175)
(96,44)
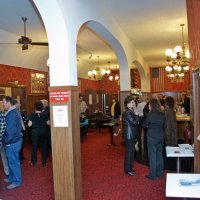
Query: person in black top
(37,122)
(46,111)
(130,121)
(155,124)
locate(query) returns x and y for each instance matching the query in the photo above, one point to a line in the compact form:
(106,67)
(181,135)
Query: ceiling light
(114,75)
(95,74)
(98,73)
(110,78)
(178,61)
(106,71)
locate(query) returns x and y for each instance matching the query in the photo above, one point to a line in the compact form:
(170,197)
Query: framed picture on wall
(38,83)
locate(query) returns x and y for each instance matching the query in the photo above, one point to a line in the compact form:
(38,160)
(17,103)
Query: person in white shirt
(82,105)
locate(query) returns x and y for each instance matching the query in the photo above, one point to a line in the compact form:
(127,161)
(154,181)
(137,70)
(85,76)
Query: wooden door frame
(196,116)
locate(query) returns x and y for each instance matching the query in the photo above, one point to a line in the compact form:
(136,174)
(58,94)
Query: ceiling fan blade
(40,43)
(8,43)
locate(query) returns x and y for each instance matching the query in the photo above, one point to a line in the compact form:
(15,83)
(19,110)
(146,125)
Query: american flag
(158,79)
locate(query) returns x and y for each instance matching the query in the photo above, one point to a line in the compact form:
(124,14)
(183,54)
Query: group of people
(11,137)
(158,120)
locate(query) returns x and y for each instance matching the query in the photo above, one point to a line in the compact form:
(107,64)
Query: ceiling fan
(25,41)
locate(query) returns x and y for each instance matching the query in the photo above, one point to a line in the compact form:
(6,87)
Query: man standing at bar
(12,141)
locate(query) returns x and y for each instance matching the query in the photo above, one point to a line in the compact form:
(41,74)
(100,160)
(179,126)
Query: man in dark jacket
(115,112)
(12,141)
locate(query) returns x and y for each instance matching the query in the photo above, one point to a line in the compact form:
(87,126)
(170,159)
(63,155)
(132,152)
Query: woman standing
(130,127)
(171,125)
(155,124)
(37,122)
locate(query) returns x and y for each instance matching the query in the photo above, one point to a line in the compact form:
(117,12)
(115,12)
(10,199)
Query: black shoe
(147,176)
(130,173)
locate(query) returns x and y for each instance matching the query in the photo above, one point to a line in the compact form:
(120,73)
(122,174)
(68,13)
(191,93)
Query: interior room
(83,59)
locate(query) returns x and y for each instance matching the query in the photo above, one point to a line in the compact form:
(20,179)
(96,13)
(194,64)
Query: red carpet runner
(102,175)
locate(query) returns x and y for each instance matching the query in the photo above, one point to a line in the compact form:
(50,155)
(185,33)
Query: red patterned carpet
(102,175)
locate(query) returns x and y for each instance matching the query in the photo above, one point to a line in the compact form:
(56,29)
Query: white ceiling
(152,26)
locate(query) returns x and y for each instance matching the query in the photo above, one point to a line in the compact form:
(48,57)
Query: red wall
(106,85)
(22,75)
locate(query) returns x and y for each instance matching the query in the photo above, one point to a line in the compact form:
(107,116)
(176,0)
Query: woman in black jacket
(130,127)
(155,124)
(38,122)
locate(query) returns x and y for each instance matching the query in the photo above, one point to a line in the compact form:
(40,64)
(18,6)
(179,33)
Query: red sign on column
(59,96)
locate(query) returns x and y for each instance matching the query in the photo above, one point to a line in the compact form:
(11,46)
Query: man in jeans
(12,141)
(2,149)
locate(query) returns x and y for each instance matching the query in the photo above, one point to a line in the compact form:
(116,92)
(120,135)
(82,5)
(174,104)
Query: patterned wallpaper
(22,75)
(109,86)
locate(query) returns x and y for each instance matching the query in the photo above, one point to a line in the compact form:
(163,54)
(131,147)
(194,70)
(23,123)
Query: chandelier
(97,74)
(178,61)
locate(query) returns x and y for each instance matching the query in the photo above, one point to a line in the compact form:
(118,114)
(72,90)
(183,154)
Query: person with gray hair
(12,141)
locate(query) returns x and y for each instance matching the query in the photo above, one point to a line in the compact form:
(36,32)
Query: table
(184,150)
(110,125)
(175,189)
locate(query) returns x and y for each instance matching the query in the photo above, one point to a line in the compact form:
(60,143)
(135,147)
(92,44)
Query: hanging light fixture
(96,74)
(178,61)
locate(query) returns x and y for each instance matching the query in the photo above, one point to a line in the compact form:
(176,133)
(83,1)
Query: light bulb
(94,72)
(116,77)
(187,54)
(171,75)
(186,68)
(179,68)
(107,71)
(110,78)
(103,71)
(181,75)
(178,49)
(168,68)
(174,55)
(89,73)
(175,67)
(168,52)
